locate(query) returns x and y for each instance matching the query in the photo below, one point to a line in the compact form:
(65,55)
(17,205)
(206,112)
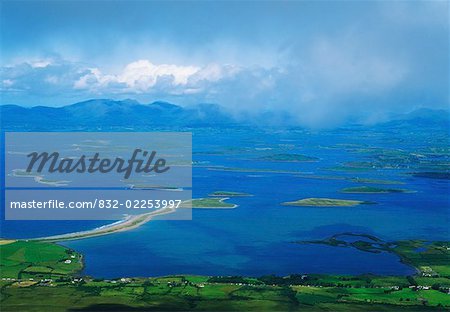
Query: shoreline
(128,223)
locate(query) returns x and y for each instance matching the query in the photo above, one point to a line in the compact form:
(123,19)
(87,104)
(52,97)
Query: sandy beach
(129,223)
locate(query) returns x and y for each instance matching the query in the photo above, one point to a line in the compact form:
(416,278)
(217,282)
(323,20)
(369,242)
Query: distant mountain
(422,117)
(104,113)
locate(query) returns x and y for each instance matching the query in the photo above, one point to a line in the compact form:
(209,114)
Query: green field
(325,202)
(55,287)
(25,260)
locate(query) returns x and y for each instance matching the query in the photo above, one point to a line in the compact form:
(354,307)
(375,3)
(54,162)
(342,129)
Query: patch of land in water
(228,194)
(209,203)
(22,173)
(431,259)
(349,169)
(375,181)
(130,222)
(373,190)
(325,202)
(288,158)
(155,187)
(356,179)
(133,221)
(253,170)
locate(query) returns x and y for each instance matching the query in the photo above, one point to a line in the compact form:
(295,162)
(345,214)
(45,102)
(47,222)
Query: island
(252,170)
(373,190)
(208,203)
(326,202)
(228,194)
(288,158)
(155,187)
(375,181)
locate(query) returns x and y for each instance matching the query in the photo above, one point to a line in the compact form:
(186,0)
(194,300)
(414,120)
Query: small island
(375,181)
(373,190)
(228,194)
(208,203)
(154,187)
(326,202)
(288,158)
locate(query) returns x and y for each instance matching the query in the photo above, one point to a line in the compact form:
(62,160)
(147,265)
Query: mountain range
(102,114)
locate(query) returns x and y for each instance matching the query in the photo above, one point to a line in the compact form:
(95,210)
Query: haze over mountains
(105,113)
(110,113)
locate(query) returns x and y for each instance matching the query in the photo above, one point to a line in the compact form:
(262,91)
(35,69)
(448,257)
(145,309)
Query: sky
(319,61)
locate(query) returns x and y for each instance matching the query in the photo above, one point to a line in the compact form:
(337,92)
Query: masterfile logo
(86,164)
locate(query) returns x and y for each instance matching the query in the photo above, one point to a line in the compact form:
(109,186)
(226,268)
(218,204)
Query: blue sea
(258,237)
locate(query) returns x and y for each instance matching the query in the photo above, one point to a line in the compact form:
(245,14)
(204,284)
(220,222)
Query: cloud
(138,77)
(359,64)
(332,81)
(43,78)
(143,76)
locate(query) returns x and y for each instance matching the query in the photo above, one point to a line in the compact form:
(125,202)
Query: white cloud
(143,76)
(139,76)
(41,63)
(143,73)
(7,83)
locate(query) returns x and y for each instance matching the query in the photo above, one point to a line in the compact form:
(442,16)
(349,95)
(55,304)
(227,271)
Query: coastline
(128,223)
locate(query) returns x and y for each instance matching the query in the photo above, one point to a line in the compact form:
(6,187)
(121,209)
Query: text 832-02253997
(140,204)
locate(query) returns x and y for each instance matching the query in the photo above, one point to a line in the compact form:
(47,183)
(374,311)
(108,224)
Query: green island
(326,202)
(42,276)
(251,170)
(373,190)
(356,179)
(229,194)
(208,203)
(288,158)
(153,187)
(375,181)
(24,173)
(349,169)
